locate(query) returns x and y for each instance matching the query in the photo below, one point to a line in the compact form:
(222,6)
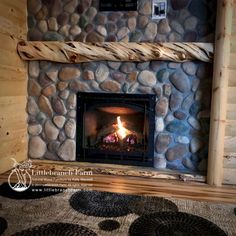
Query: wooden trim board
(121,170)
(127,184)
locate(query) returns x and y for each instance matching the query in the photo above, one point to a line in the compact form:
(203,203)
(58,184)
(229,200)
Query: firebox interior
(116,128)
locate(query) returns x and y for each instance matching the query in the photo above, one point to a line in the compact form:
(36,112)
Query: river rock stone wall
(183,89)
(182,107)
(80,20)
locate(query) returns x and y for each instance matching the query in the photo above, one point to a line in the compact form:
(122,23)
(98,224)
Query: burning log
(111,138)
(104,132)
(131,139)
(118,134)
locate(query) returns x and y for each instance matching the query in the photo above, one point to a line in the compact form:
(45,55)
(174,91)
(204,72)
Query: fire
(120,135)
(122,132)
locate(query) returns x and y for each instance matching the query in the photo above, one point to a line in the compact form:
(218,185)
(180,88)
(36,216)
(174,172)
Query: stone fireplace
(182,90)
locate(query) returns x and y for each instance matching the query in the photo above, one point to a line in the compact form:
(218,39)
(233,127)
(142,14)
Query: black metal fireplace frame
(111,158)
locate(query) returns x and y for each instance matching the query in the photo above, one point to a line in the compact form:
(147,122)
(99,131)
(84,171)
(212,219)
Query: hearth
(116,128)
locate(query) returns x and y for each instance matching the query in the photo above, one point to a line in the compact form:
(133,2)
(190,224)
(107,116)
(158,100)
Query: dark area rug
(33,192)
(119,215)
(57,229)
(105,204)
(101,204)
(174,224)
(109,225)
(3,225)
(147,205)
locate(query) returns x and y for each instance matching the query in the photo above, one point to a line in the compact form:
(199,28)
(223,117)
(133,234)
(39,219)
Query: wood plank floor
(71,177)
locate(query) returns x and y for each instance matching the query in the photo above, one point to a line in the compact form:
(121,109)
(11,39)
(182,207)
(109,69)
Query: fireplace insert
(115,128)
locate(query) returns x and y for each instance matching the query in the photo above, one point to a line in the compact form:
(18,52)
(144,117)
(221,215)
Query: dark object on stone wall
(199,9)
(179,4)
(118,5)
(57,229)
(174,223)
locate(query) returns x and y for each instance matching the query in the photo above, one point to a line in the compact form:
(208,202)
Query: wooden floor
(71,176)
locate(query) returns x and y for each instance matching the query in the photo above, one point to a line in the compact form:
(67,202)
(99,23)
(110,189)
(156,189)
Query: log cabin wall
(183,89)
(13,84)
(229,176)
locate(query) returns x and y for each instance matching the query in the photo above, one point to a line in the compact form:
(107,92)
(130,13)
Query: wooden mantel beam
(76,52)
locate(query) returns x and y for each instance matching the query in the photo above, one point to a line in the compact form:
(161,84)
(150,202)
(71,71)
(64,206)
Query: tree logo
(19,179)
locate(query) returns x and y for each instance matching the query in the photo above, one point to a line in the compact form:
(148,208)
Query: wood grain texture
(231,111)
(13,84)
(229,147)
(13,20)
(219,92)
(128,184)
(123,170)
(232,77)
(229,176)
(230,128)
(76,52)
(230,162)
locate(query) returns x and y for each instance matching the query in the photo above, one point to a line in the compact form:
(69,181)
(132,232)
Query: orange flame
(122,132)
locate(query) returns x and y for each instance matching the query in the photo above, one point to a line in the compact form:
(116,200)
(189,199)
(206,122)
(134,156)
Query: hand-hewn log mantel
(76,52)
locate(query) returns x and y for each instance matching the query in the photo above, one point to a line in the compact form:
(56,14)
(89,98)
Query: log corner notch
(77,52)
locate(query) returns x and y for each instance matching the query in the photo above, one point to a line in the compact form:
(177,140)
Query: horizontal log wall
(230,132)
(13,84)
